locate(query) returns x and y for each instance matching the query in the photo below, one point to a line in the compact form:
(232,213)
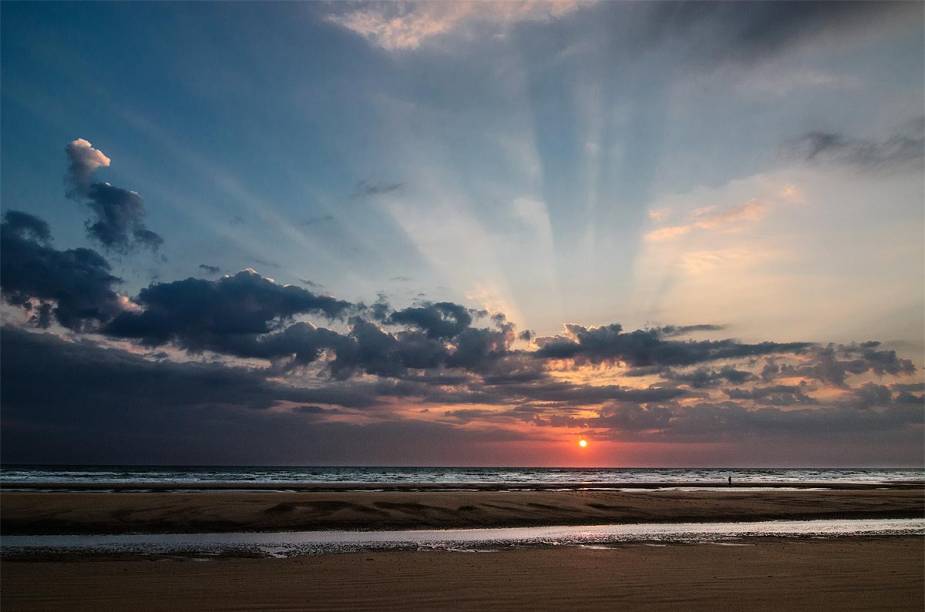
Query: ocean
(10,475)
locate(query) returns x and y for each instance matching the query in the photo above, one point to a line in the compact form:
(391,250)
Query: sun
(583,443)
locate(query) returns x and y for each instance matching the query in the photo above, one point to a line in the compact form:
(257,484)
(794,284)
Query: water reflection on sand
(284,544)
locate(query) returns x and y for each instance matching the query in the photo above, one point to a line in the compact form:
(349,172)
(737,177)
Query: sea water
(190,475)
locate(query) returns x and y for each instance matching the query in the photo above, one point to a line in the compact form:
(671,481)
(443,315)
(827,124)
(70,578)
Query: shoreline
(219,511)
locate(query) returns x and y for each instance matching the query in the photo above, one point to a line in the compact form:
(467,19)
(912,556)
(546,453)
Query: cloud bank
(256,347)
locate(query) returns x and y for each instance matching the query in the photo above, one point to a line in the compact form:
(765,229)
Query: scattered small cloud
(368,189)
(402,26)
(267,263)
(712,218)
(316,220)
(902,150)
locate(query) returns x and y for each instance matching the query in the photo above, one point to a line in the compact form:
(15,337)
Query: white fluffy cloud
(84,160)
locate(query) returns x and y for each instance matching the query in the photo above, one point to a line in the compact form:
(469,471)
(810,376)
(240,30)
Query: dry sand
(124,512)
(842,574)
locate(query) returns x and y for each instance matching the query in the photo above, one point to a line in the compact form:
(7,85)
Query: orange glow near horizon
(583,443)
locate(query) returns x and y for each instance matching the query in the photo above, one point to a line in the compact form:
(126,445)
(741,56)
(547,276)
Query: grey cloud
(834,363)
(119,213)
(669,331)
(366,189)
(777,395)
(730,421)
(213,270)
(908,387)
(439,320)
(316,220)
(74,286)
(902,150)
(267,263)
(732,33)
(526,335)
(647,347)
(630,417)
(702,377)
(200,314)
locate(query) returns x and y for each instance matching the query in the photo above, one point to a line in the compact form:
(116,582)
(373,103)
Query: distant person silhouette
(730,481)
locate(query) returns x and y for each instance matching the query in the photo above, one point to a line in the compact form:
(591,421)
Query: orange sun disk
(583,443)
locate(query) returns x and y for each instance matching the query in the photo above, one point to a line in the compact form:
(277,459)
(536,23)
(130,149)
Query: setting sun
(583,443)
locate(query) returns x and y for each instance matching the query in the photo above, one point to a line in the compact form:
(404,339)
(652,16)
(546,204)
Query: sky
(457,233)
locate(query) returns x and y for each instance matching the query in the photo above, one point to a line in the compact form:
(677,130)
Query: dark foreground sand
(842,574)
(160,512)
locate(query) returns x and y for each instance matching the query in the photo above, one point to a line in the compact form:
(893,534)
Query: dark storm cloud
(368,189)
(729,32)
(440,320)
(374,351)
(647,347)
(74,286)
(119,213)
(201,314)
(212,270)
(902,150)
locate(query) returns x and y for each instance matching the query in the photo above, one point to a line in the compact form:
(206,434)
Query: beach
(766,574)
(222,508)
(756,573)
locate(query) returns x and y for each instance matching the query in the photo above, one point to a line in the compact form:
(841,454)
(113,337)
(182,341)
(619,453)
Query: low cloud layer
(248,352)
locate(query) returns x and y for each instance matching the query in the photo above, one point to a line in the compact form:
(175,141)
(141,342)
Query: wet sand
(767,574)
(222,511)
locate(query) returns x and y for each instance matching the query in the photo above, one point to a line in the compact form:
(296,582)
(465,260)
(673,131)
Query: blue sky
(758,169)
